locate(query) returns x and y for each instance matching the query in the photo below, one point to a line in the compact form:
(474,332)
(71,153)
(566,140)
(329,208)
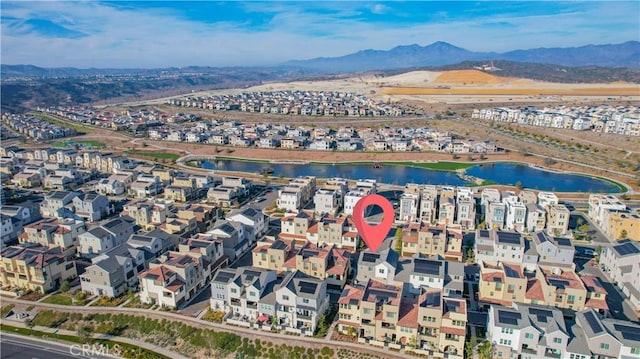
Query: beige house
(502,283)
(382,314)
(32,266)
(441,240)
(322,262)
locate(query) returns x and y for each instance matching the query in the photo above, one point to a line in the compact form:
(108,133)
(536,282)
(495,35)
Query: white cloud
(120,37)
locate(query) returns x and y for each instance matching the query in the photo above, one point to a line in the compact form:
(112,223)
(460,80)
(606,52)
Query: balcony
(235,302)
(551,353)
(304,316)
(527,350)
(252,305)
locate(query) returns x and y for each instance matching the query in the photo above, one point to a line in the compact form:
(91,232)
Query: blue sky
(164,33)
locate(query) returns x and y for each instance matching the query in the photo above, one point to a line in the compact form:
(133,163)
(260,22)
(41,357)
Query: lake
(500,173)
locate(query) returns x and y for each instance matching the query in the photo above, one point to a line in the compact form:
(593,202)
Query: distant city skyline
(119,34)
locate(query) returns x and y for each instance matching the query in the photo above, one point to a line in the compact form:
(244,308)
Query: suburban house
(255,222)
(233,235)
(621,262)
(55,201)
(32,266)
(440,240)
(499,246)
(92,207)
(104,237)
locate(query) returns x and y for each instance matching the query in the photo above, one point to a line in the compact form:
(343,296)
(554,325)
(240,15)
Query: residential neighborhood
(294,262)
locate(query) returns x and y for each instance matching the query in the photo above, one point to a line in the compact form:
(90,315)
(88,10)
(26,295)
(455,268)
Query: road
(19,347)
(618,305)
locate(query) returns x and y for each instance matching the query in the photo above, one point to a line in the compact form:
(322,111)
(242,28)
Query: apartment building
(601,204)
(104,237)
(55,202)
(552,251)
(112,273)
(487,196)
(233,236)
(204,215)
(297,193)
(340,231)
(531,332)
(441,240)
(224,196)
(525,331)
(621,225)
(175,278)
(408,208)
(256,224)
(496,212)
(466,212)
(35,267)
(499,246)
(446,210)
(53,232)
(324,262)
(621,262)
(246,292)
(562,288)
(148,213)
(607,338)
(501,283)
(515,219)
(536,218)
(327,201)
(428,204)
(558,219)
(547,199)
(301,301)
(295,227)
(92,207)
(379,313)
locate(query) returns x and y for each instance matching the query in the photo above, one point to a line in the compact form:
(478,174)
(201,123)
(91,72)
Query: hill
(441,53)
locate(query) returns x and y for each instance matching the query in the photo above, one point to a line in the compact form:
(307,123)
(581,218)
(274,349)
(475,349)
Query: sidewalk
(155,348)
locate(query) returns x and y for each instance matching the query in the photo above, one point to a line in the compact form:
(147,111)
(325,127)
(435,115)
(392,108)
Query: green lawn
(61,299)
(155,155)
(84,143)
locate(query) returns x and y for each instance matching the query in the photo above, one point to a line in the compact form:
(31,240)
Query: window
(234,291)
(557,340)
(305,301)
(528,336)
(391,315)
(285,297)
(635,350)
(381,270)
(252,294)
(367,311)
(604,346)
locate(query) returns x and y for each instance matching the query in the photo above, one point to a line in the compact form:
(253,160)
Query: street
(19,347)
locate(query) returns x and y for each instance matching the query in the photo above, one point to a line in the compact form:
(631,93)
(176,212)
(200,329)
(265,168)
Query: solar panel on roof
(593,322)
(629,333)
(626,248)
(563,242)
(307,287)
(541,237)
(427,266)
(507,237)
(511,273)
(370,257)
(510,318)
(224,276)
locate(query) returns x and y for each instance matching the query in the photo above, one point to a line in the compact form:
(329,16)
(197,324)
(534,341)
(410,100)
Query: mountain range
(442,53)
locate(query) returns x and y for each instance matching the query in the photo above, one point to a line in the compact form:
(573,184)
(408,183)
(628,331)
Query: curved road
(19,347)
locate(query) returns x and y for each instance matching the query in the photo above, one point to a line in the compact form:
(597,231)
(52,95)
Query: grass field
(60,299)
(84,143)
(440,166)
(155,155)
(593,91)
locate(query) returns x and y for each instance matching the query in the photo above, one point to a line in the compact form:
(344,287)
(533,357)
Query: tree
(584,228)
(85,332)
(519,185)
(398,237)
(65,286)
(485,350)
(623,234)
(30,324)
(79,296)
(471,257)
(468,350)
(598,250)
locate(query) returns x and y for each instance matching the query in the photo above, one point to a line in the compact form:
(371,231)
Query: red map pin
(373,235)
